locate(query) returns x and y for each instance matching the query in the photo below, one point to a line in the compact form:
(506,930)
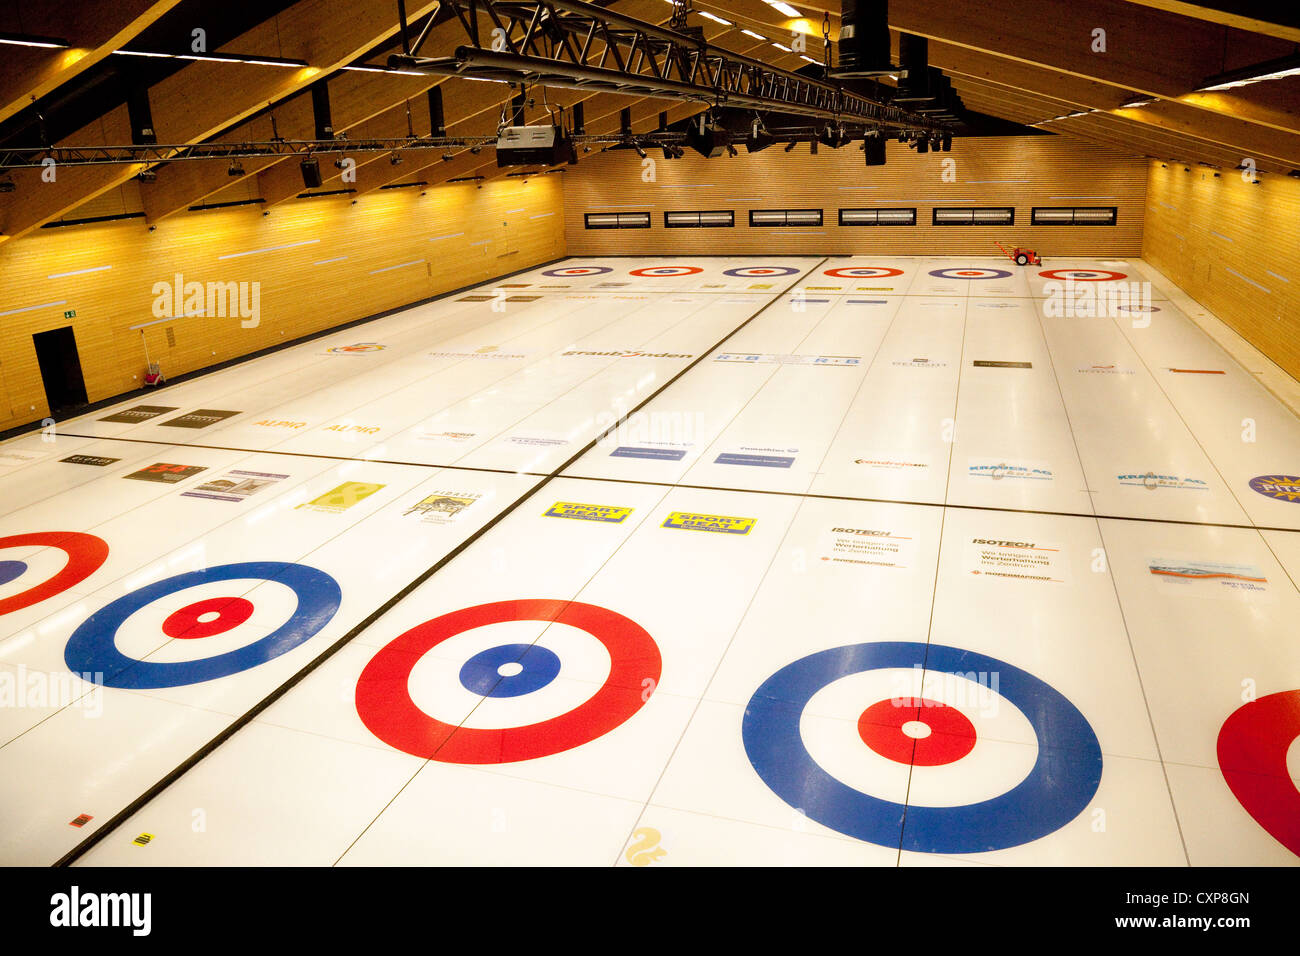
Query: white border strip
(253,252)
(400,265)
(79,272)
(33,308)
(1248,281)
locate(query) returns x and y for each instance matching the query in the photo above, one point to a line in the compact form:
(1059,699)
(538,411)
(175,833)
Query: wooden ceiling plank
(95,28)
(1241,21)
(328,33)
(1048,37)
(1249,139)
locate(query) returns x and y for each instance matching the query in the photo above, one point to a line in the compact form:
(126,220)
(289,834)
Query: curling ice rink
(869,561)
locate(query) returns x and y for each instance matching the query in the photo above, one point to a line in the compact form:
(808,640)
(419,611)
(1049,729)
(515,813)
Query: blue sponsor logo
(654,454)
(763,461)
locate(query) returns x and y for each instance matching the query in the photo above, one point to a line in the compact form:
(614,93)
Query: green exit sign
(70,314)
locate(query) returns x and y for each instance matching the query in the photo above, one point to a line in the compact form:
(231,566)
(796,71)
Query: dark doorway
(56,351)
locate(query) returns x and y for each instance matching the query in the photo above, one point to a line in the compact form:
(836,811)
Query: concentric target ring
(574,272)
(761,272)
(85,552)
(1252,748)
(972,273)
(92,648)
(665,272)
(863,272)
(1064,778)
(385,706)
(1083,275)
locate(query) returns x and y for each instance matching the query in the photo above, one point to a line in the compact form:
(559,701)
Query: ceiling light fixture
(784,8)
(1277,69)
(218,58)
(383,69)
(31,39)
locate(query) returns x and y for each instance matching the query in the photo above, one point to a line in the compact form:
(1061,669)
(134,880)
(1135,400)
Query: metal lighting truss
(568,43)
(157,154)
(154,154)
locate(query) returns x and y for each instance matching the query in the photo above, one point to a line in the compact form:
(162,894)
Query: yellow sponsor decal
(581,512)
(720,523)
(343,497)
(645,849)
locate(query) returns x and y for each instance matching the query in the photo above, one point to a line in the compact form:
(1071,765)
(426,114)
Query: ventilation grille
(785,217)
(878,217)
(704,219)
(975,216)
(617,220)
(1075,215)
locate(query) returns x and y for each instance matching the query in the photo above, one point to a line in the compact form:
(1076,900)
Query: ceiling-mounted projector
(534,146)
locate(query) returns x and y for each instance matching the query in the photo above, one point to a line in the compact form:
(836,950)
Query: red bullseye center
(917,730)
(205,618)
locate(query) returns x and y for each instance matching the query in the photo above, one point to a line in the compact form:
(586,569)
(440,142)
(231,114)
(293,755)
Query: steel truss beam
(36,157)
(576,45)
(156,154)
(153,155)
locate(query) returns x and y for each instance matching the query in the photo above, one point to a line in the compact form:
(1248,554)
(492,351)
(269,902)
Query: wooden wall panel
(1234,246)
(318,262)
(987,171)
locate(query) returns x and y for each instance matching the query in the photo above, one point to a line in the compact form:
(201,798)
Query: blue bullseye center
(10,570)
(510,670)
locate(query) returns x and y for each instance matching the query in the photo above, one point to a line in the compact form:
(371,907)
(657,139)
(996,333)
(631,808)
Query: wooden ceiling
(1027,61)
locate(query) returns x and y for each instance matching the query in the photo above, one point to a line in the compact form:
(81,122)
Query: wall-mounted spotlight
(311,173)
(236,169)
(834,137)
(707,137)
